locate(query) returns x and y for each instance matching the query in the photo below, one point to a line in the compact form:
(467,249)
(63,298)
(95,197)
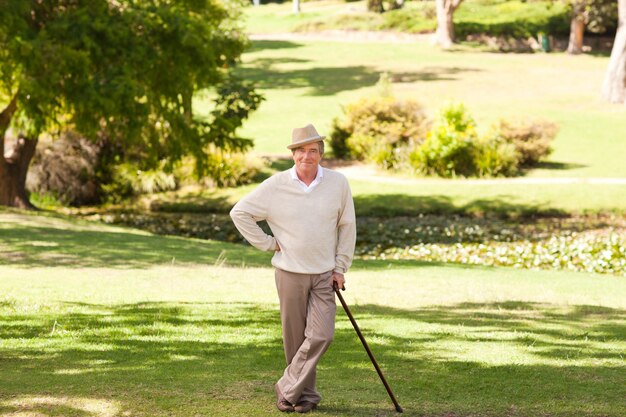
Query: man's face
(307,157)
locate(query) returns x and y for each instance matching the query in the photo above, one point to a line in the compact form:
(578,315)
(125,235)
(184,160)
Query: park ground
(99,320)
(109,321)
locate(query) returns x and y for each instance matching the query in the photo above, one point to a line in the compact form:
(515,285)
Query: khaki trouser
(307,313)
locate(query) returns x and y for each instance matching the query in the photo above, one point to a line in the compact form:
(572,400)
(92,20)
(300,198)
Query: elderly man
(311,214)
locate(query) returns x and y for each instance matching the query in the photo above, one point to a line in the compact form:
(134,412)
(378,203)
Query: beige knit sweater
(316,231)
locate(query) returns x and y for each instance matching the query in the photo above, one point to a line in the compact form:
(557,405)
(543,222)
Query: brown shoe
(305,407)
(281,403)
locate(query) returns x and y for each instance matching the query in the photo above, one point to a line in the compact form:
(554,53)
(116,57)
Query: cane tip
(399,409)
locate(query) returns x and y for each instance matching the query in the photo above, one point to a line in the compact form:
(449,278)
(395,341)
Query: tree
(295,6)
(593,15)
(375,6)
(577,28)
(126,69)
(445,25)
(614,87)
(378,6)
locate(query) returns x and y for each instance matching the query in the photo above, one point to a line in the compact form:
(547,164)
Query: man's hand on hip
(339,280)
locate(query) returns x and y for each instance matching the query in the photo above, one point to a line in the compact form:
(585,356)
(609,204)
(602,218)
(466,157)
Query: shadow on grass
(320,81)
(261,45)
(40,241)
(599,53)
(562,166)
(324,81)
(381,205)
(222,359)
(431,74)
(204,203)
(41,246)
(405,205)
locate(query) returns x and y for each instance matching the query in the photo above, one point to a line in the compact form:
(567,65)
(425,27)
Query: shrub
(515,18)
(453,148)
(495,157)
(127,180)
(531,139)
(450,148)
(66,168)
(390,134)
(374,127)
(226,169)
(338,140)
(352,21)
(421,18)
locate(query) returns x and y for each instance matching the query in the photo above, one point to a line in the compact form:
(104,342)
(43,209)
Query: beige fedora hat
(304,135)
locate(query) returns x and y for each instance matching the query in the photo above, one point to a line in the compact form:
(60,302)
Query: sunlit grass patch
(52,406)
(203,338)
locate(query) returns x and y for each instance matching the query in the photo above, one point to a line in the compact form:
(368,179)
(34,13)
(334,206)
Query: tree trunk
(576,35)
(296,6)
(445,24)
(13,167)
(13,174)
(396,4)
(375,6)
(614,88)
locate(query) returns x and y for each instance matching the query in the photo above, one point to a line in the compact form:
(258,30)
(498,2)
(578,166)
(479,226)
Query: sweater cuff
(340,270)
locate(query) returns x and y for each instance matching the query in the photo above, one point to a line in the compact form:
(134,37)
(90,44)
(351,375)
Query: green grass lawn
(412,198)
(279,18)
(501,199)
(307,81)
(310,81)
(474,16)
(104,321)
(392,195)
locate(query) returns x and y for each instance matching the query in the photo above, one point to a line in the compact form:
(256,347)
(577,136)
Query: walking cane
(367,348)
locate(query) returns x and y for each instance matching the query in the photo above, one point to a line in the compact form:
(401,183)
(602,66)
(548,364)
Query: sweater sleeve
(251,209)
(346,233)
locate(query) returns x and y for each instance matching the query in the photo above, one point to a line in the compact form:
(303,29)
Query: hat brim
(306,142)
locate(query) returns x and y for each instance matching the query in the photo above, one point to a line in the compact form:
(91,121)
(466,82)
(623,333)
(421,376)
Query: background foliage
(128,72)
(398,135)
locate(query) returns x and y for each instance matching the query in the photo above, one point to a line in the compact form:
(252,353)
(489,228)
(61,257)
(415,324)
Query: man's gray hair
(320,145)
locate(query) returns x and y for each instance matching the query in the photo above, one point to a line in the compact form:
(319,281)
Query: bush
(352,21)
(227,169)
(515,18)
(126,180)
(421,18)
(374,127)
(224,169)
(338,140)
(450,148)
(453,148)
(66,168)
(531,139)
(390,134)
(494,157)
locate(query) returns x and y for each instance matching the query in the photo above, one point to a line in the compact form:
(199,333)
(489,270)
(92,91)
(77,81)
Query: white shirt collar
(316,181)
